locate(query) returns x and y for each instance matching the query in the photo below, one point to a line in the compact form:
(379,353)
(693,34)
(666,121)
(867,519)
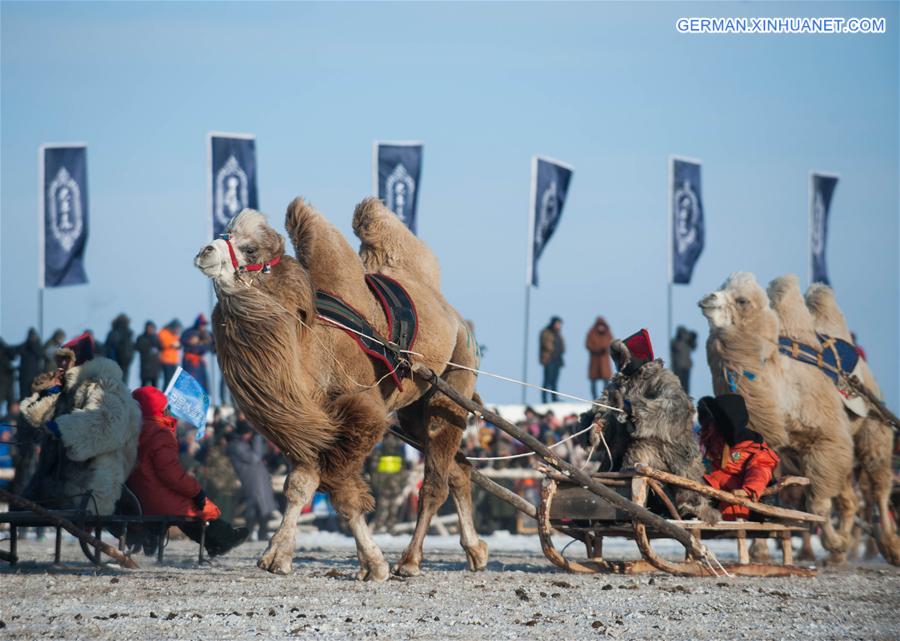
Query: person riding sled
(163,486)
(742,462)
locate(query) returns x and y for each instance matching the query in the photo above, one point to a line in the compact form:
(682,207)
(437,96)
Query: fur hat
(633,352)
(151,400)
(729,413)
(80,349)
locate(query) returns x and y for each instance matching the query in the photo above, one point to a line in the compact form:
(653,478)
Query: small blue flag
(188,401)
(687,225)
(821,191)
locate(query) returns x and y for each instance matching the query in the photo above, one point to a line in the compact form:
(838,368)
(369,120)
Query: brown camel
(873,440)
(307,386)
(789,402)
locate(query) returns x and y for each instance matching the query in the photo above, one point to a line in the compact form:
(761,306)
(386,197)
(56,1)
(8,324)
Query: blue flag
(232,175)
(64,209)
(821,191)
(549,186)
(398,170)
(187,400)
(686,218)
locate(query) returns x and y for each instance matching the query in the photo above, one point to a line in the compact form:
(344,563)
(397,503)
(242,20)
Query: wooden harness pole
(13,499)
(637,512)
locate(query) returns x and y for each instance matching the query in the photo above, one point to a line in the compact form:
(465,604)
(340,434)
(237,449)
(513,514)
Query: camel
(305,384)
(873,439)
(790,403)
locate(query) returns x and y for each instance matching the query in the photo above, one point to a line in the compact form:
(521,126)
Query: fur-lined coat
(656,428)
(99,425)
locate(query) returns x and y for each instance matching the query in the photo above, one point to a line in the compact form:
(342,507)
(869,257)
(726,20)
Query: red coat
(598,340)
(159,480)
(747,466)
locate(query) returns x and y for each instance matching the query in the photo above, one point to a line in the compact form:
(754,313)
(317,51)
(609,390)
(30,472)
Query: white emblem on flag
(400,188)
(64,196)
(231,191)
(549,209)
(687,214)
(818,225)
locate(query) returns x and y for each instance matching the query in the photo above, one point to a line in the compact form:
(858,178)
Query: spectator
(599,338)
(388,480)
(6,454)
(50,348)
(197,341)
(94,424)
(170,344)
(120,344)
(165,487)
(552,349)
(7,373)
(149,347)
(217,472)
(31,363)
(684,343)
(246,450)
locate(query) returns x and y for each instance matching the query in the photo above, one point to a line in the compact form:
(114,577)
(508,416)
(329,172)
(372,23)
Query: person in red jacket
(742,462)
(165,487)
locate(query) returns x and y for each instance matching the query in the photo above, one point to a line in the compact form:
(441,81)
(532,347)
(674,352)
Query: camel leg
(445,424)
(846,504)
(759,551)
(461,491)
(806,550)
(362,419)
(299,487)
(874,445)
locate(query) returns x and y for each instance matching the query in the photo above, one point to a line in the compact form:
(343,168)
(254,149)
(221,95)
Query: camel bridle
(265,267)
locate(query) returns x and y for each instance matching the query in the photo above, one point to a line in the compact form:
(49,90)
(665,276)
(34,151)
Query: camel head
(740,304)
(253,246)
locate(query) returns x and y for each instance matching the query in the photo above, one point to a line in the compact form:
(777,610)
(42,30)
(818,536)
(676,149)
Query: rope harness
(265,268)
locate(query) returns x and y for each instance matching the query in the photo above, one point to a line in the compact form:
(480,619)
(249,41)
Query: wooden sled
(567,508)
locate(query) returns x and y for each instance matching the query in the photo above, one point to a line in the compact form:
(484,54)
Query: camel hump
(300,221)
(388,245)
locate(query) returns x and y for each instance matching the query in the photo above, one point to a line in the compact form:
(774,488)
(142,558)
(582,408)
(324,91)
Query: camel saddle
(835,358)
(402,320)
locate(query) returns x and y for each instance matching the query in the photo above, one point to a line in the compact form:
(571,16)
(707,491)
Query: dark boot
(221,537)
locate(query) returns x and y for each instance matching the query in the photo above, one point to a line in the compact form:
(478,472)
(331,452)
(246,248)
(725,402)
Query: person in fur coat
(94,424)
(656,427)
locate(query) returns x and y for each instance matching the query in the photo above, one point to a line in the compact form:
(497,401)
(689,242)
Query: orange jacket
(747,466)
(170,347)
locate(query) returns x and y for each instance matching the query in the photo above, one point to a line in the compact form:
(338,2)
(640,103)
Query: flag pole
(670,192)
(525,346)
(213,364)
(529,274)
(41,241)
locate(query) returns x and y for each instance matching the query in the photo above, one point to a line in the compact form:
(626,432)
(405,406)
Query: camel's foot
(889,549)
(373,571)
(476,556)
(759,551)
(277,558)
(835,559)
(805,554)
(408,566)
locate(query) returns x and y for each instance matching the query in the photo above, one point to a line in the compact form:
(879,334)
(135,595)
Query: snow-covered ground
(519,595)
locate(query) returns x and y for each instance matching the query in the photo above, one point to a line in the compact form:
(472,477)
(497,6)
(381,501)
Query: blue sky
(610,88)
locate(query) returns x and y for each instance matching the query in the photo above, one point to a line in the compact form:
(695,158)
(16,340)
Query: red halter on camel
(265,268)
